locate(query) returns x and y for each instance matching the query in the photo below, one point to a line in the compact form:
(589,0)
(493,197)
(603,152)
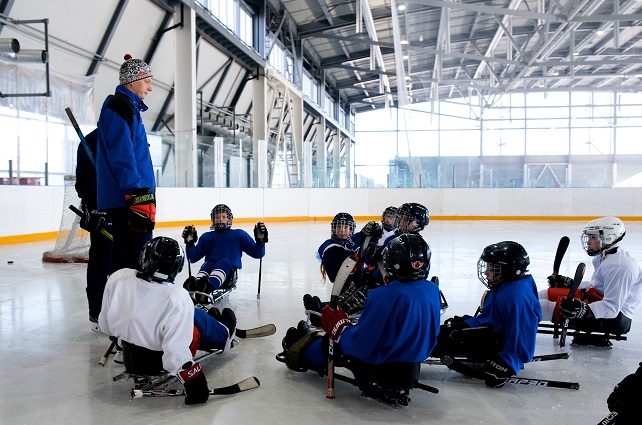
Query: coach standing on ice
(125,175)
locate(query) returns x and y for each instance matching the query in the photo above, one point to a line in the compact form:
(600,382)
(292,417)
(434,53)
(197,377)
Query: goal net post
(72,244)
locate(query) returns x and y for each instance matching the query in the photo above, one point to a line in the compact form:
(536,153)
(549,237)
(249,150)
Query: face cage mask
(340,223)
(391,226)
(497,274)
(603,247)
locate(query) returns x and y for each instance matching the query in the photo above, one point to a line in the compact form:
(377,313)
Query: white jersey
(157,316)
(618,276)
(385,235)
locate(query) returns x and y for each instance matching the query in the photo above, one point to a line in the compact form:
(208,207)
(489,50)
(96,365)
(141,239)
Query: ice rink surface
(49,357)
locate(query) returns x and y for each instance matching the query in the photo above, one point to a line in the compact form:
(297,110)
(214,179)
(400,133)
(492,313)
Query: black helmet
(161,259)
(221,225)
(407,257)
(342,219)
(413,213)
(389,213)
(509,260)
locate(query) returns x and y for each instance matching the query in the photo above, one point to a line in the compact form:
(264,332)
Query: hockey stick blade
(577,279)
(562,246)
(261,331)
(609,420)
(244,385)
(543,383)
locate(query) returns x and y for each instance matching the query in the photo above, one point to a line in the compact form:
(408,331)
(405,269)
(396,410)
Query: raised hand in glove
(334,321)
(260,233)
(625,397)
(575,309)
(195,384)
(558,281)
(372,229)
(190,235)
(142,210)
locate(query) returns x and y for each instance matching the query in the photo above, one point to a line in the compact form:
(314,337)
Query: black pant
(127,243)
(98,268)
(620,325)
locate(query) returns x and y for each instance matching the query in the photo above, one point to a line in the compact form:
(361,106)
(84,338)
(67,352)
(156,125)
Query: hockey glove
(624,399)
(195,384)
(372,229)
(142,210)
(576,309)
(190,235)
(558,281)
(94,220)
(260,233)
(334,321)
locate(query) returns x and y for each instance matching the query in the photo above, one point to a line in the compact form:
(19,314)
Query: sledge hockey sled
(145,367)
(555,330)
(205,300)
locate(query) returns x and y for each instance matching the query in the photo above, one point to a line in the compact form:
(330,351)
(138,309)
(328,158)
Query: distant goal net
(72,245)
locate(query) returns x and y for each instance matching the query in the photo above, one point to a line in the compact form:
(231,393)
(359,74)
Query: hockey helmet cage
(161,259)
(341,220)
(390,218)
(219,223)
(608,231)
(413,214)
(509,261)
(407,258)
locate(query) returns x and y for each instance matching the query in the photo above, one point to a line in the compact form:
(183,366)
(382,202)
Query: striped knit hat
(133,70)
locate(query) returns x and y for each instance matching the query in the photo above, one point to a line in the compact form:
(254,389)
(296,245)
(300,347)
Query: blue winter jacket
(123,161)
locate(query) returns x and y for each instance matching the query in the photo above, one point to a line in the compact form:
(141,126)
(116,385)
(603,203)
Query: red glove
(142,210)
(334,322)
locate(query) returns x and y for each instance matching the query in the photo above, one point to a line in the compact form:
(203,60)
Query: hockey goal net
(72,245)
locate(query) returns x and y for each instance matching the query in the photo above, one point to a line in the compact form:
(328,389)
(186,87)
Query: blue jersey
(230,244)
(514,311)
(333,253)
(399,323)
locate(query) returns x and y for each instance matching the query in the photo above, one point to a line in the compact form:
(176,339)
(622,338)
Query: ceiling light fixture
(401,7)
(404,40)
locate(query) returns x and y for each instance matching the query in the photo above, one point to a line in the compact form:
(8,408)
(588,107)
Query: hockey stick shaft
(258,292)
(244,385)
(542,358)
(105,357)
(562,246)
(577,279)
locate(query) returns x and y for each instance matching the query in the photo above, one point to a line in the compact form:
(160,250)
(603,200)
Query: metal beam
(109,33)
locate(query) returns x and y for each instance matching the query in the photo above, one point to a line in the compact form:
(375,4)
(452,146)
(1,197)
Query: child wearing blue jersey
(398,325)
(496,342)
(222,249)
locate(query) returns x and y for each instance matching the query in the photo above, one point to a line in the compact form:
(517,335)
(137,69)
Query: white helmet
(609,231)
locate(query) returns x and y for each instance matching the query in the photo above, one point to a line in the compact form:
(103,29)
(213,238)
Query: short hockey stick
(80,214)
(542,358)
(577,279)
(334,303)
(611,419)
(244,385)
(543,383)
(261,331)
(105,357)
